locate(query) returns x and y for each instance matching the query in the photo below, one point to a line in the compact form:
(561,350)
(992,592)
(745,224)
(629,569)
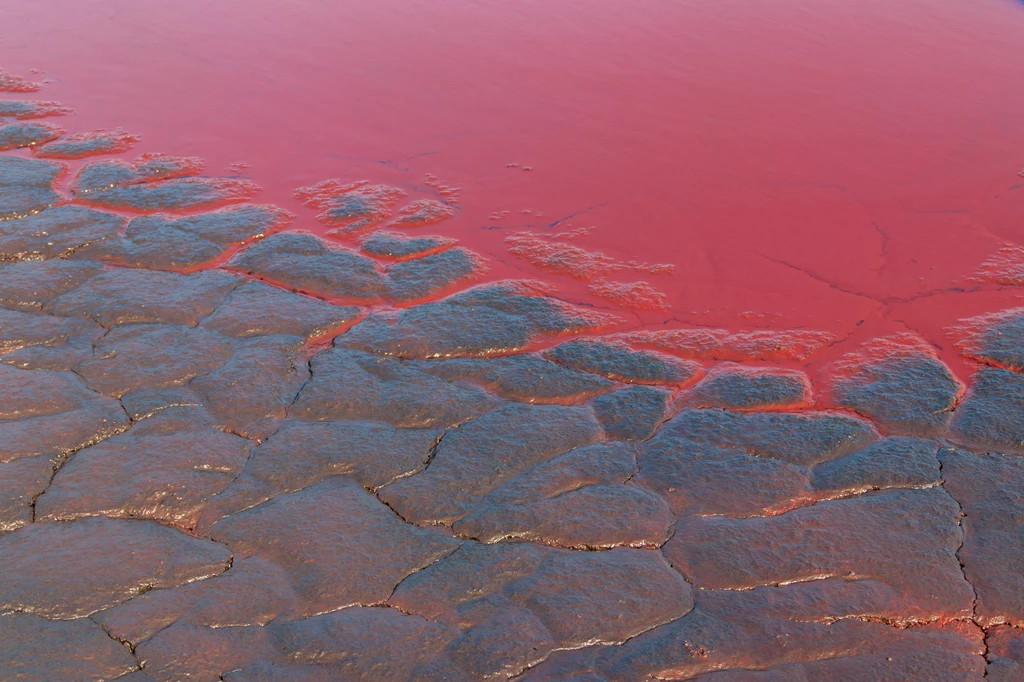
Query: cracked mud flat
(224,454)
(234,449)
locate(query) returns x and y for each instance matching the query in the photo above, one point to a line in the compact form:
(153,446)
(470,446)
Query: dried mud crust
(231,452)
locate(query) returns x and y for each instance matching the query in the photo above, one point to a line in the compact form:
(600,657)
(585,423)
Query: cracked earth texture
(234,452)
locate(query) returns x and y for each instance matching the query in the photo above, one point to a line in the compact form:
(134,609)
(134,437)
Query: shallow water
(800,163)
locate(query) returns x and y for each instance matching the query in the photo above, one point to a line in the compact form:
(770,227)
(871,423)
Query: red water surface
(824,164)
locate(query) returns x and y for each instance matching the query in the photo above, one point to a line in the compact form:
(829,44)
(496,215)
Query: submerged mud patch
(421,213)
(18,135)
(723,344)
(147,168)
(80,145)
(26,109)
(11,83)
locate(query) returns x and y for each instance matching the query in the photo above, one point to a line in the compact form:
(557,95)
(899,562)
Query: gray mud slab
(996,339)
(478,456)
(517,601)
(419,278)
(900,383)
(52,413)
(581,499)
(916,557)
(252,593)
(493,319)
(21,482)
(123,296)
(1005,654)
(164,468)
(147,168)
(305,531)
(622,363)
(362,643)
(256,385)
(55,232)
(26,186)
(992,414)
(165,243)
(20,329)
(897,462)
(306,263)
(632,413)
(30,108)
(745,463)
(300,454)
(348,384)
(134,356)
(71,570)
(189,652)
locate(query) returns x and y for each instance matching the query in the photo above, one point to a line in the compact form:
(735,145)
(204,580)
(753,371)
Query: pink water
(802,163)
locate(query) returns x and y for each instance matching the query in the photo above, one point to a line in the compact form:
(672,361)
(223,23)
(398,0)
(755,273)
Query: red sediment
(351,209)
(79,145)
(12,83)
(905,344)
(722,344)
(528,287)
(899,382)
(745,388)
(479,268)
(283,220)
(422,212)
(450,194)
(631,295)
(731,175)
(152,166)
(566,259)
(1006,266)
(574,233)
(876,353)
(322,341)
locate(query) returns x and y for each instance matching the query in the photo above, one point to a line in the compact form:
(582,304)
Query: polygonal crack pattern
(195,483)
